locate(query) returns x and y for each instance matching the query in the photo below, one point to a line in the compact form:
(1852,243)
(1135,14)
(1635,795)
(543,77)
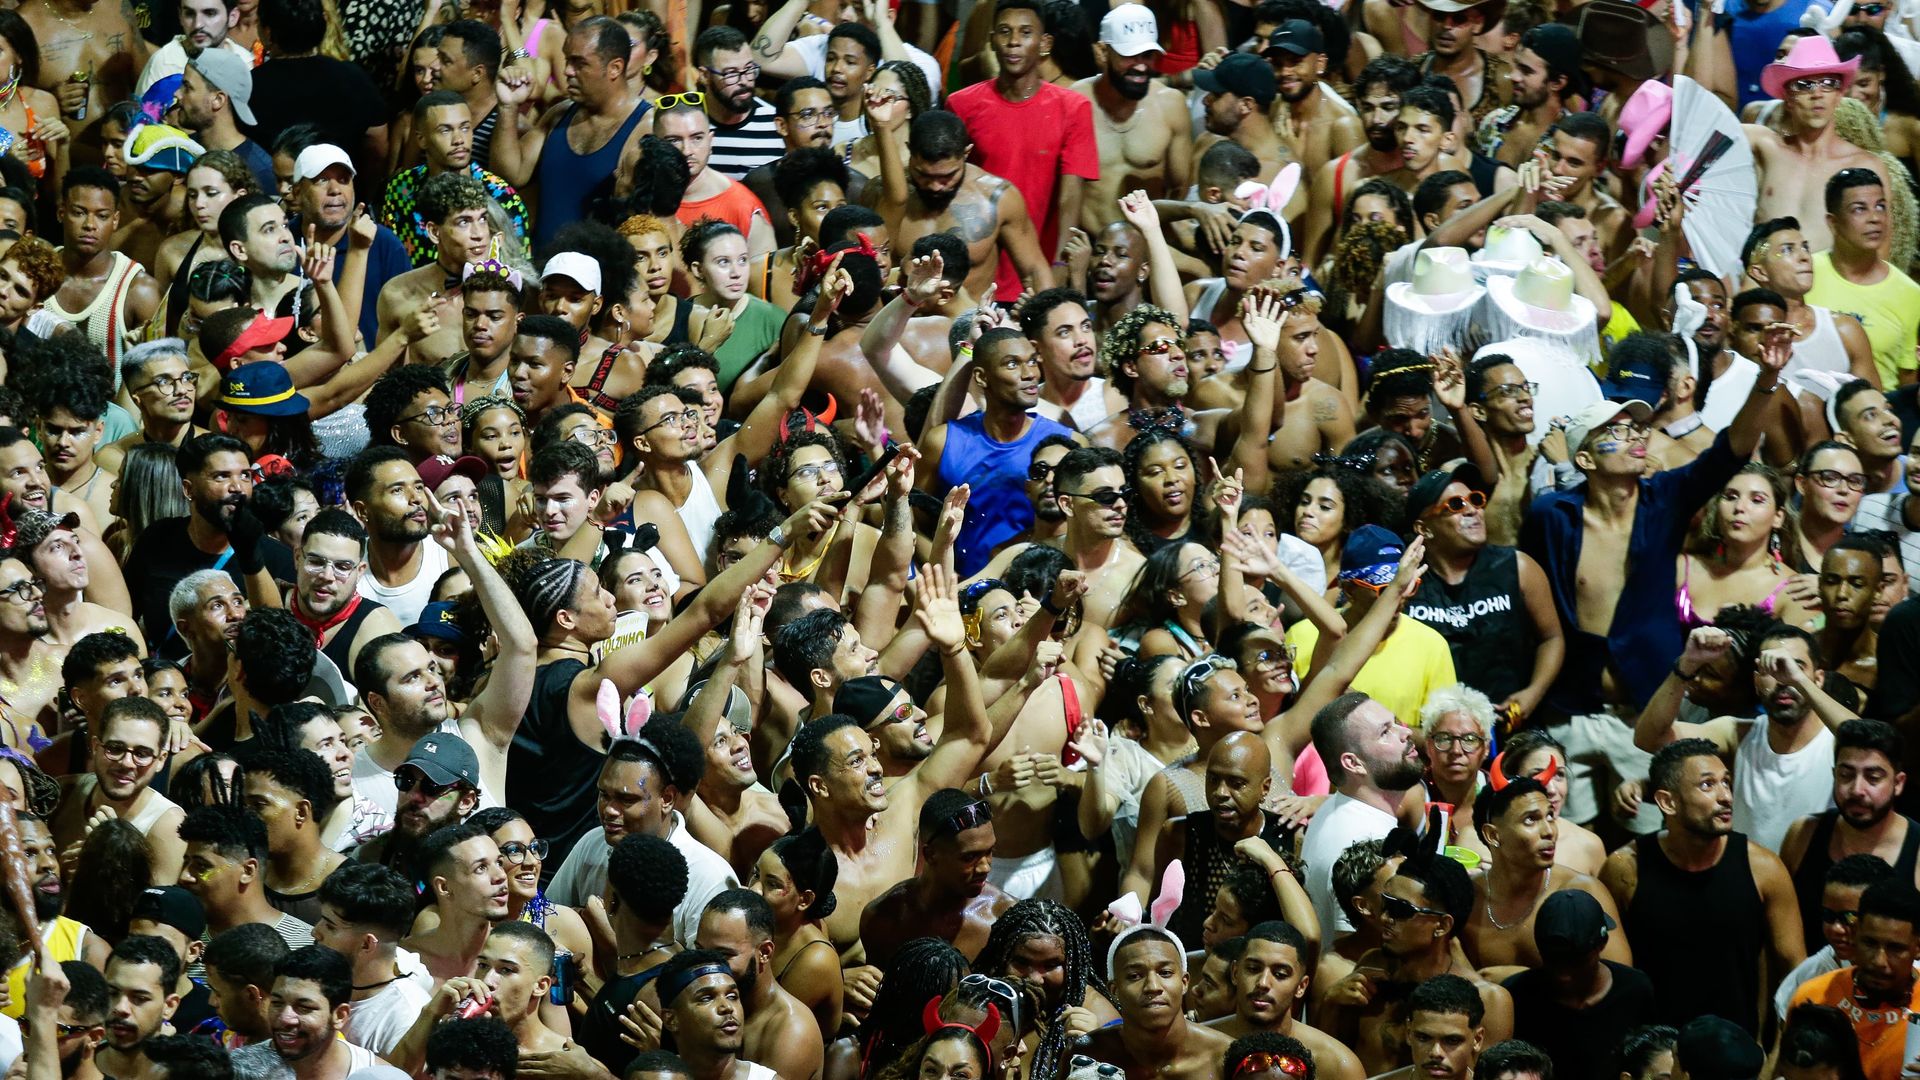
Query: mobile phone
(879,466)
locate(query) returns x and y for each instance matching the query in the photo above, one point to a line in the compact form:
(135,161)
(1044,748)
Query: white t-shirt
(407,600)
(584,874)
(377,1023)
(1341,823)
(375,798)
(1772,791)
(814,51)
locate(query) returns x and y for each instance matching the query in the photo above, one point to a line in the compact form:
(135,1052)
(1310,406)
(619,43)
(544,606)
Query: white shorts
(1024,877)
(1600,756)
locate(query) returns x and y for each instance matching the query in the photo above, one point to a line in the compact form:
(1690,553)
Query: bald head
(1239,775)
(1241,750)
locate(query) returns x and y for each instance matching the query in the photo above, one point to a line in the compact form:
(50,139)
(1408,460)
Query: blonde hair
(1458,698)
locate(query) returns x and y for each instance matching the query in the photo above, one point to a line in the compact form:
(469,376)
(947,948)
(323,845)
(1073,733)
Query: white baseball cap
(579,267)
(1130,30)
(317,159)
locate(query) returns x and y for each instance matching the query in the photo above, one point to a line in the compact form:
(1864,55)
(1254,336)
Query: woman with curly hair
(1737,552)
(796,876)
(1359,250)
(1168,504)
(893,80)
(1043,945)
(923,969)
(1322,505)
(115,868)
(951,1050)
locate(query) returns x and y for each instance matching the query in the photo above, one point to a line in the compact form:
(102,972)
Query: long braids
(1045,918)
(924,968)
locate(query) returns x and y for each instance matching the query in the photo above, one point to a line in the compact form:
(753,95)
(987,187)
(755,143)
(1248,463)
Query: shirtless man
(1452,26)
(1547,85)
(92,39)
(746,816)
(1444,1031)
(1578,150)
(779,1032)
(939,191)
(454,206)
(949,897)
(1148,977)
(1424,906)
(1095,536)
(1794,164)
(867,825)
(29,667)
(52,545)
(1240,93)
(1158,156)
(1401,26)
(1379,89)
(1316,417)
(1268,981)
(1517,824)
(1317,124)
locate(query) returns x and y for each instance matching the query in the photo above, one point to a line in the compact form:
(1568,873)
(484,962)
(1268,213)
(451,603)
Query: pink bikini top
(1683,599)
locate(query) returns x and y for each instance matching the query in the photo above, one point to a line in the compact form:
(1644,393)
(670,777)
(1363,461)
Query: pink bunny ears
(1271,199)
(607,705)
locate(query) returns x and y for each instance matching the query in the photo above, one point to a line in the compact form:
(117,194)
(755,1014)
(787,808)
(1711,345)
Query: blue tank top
(1755,37)
(998,511)
(568,182)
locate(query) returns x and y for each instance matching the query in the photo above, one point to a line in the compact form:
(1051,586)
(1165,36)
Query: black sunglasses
(1400,910)
(1105,496)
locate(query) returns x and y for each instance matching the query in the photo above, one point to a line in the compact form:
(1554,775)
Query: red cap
(261,331)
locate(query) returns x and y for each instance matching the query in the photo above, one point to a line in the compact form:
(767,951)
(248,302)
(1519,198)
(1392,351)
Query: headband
(672,986)
(815,268)
(495,266)
(931,1022)
(971,816)
(1497,777)
(1130,932)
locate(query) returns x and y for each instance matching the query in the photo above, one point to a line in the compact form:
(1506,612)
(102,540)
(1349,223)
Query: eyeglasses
(692,97)
(1625,431)
(406,782)
(1833,478)
(679,420)
(811,117)
(1203,567)
(316,564)
(1458,504)
(734,75)
(1511,390)
(517,853)
(1159,346)
(812,473)
(1871,11)
(24,591)
(592,435)
(1831,916)
(1469,743)
(119,751)
(1105,496)
(1401,910)
(1262,1060)
(1815,82)
(435,415)
(167,384)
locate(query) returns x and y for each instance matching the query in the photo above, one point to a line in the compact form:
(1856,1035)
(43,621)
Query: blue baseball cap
(1372,556)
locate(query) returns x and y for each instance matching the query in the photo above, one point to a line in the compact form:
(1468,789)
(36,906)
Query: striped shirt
(738,148)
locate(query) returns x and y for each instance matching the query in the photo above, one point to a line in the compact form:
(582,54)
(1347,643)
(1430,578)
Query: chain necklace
(1546,876)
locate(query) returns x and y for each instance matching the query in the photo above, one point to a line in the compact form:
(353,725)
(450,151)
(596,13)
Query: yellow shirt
(1411,663)
(1888,310)
(66,938)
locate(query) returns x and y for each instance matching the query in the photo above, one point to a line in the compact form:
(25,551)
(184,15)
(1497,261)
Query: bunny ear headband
(607,705)
(985,1030)
(1271,200)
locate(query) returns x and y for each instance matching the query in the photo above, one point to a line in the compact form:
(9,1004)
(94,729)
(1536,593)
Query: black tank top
(551,774)
(342,643)
(1699,935)
(1811,879)
(177,288)
(1207,860)
(1484,620)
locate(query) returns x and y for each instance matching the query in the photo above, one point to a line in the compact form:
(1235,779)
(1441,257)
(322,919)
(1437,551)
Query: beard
(47,905)
(935,200)
(1130,87)
(1305,92)
(220,514)
(1395,776)
(1049,510)
(1383,140)
(403,531)
(1865,816)
(1177,389)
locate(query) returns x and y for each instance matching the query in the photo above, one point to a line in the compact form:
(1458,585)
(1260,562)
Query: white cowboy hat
(1435,309)
(1507,251)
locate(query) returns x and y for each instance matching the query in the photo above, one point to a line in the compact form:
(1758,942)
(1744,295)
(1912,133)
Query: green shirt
(754,332)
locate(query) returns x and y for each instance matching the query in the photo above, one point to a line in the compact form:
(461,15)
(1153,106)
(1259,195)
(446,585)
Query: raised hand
(953,512)
(421,323)
(937,608)
(1251,556)
(1077,252)
(1704,645)
(448,526)
(614,500)
(1137,207)
(317,260)
(926,281)
(513,85)
(1412,565)
(1449,380)
(1776,348)
(362,229)
(834,288)
(816,517)
(1091,743)
(1262,314)
(885,108)
(870,422)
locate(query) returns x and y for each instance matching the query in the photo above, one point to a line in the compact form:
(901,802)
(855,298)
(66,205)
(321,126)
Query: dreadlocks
(1021,923)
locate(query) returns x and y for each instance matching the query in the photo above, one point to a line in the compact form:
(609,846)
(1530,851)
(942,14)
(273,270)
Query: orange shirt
(1882,1032)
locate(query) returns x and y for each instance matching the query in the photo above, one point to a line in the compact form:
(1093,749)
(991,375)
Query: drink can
(84,79)
(474,1006)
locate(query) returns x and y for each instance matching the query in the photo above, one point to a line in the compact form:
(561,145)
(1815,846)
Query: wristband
(518,54)
(1046,605)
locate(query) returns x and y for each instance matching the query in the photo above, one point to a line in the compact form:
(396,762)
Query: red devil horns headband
(984,1030)
(815,268)
(1497,778)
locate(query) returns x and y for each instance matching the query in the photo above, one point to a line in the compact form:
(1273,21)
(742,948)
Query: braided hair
(1023,922)
(923,968)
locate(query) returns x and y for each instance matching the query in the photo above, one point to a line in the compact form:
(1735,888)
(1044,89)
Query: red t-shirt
(737,206)
(1030,144)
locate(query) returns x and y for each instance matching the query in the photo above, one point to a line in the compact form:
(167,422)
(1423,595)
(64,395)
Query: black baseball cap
(1297,36)
(171,905)
(1570,924)
(1426,490)
(1241,74)
(445,759)
(866,699)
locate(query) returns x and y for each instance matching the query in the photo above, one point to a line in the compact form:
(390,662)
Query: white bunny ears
(1272,200)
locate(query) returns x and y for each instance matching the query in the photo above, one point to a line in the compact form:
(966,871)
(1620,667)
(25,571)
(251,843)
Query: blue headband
(671,988)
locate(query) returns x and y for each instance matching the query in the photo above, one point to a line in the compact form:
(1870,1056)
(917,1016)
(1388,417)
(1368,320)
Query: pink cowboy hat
(1810,56)
(1643,119)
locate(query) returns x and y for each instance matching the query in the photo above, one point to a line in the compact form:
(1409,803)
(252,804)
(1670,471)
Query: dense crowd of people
(959,540)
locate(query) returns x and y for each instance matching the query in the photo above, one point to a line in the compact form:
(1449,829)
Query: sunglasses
(1193,680)
(406,782)
(1814,82)
(1040,470)
(1262,1061)
(971,816)
(1831,916)
(1105,496)
(1401,910)
(1458,504)
(1159,346)
(1000,990)
(1871,11)
(899,714)
(692,97)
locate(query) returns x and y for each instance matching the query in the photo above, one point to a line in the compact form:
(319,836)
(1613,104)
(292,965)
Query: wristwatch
(779,537)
